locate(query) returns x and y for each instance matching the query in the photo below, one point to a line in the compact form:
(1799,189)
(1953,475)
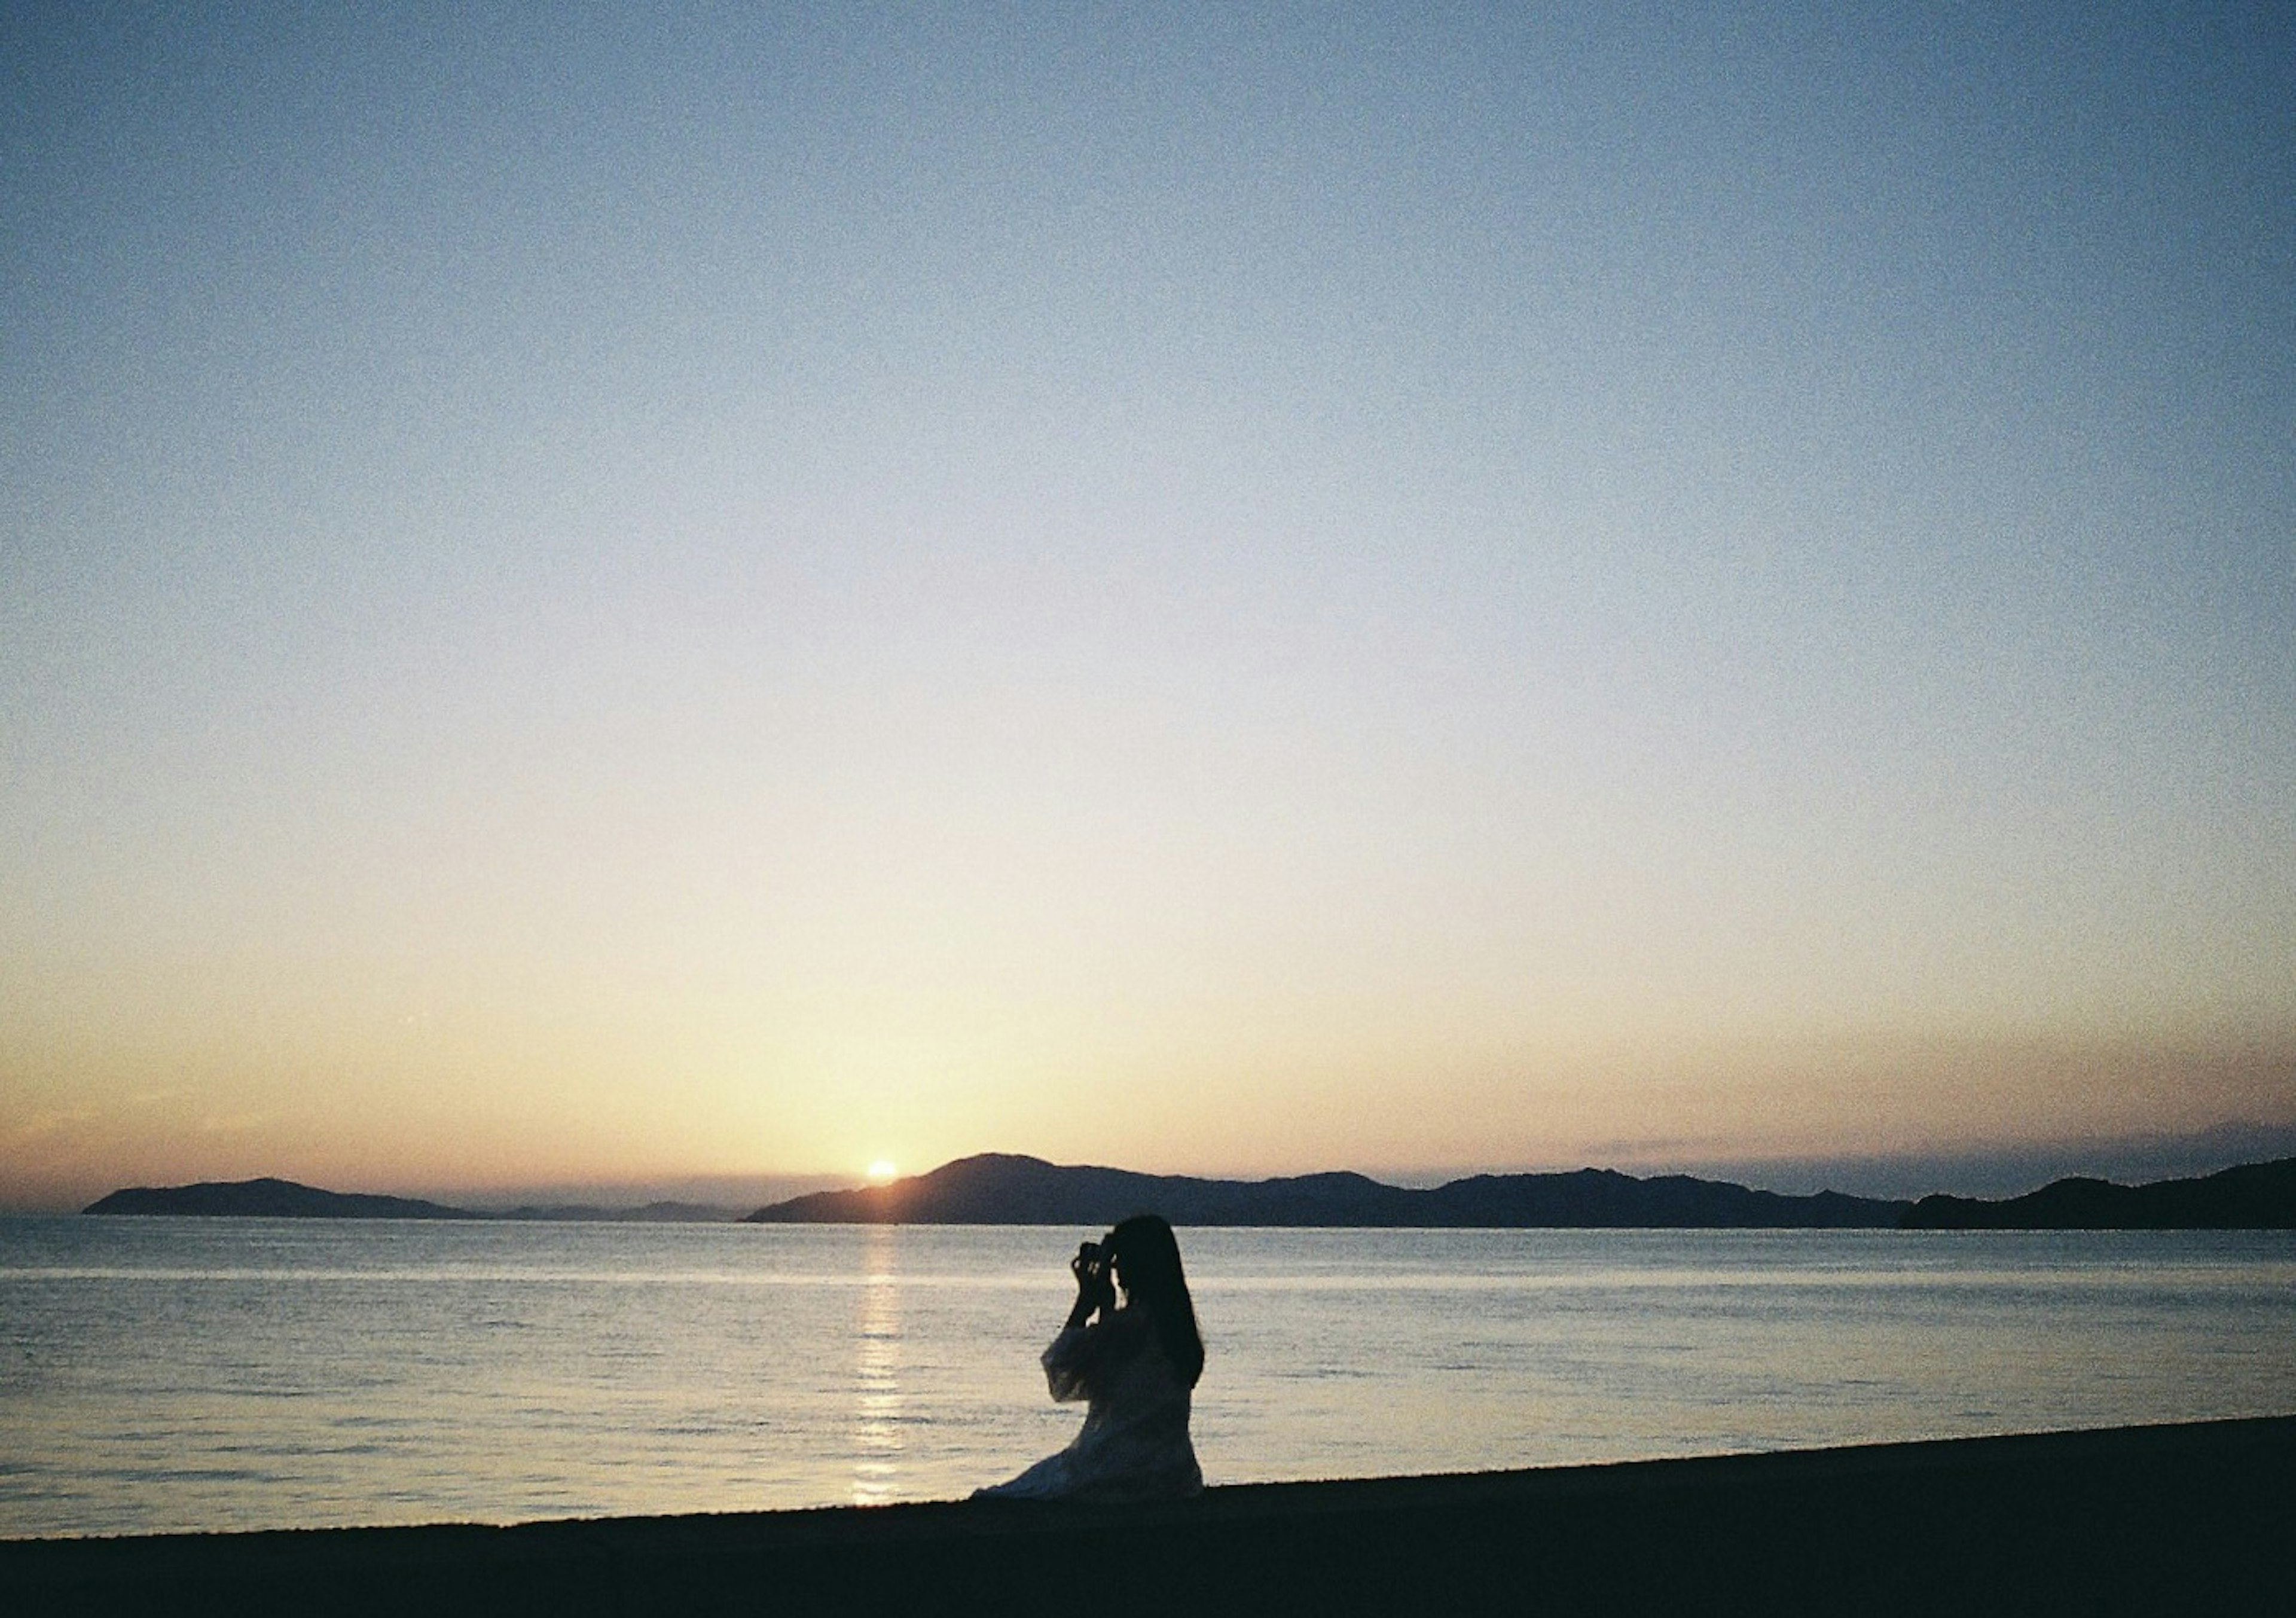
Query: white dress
(1134,1444)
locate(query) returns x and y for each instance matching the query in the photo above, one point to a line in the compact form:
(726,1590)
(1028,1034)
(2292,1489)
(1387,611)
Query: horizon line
(602,1194)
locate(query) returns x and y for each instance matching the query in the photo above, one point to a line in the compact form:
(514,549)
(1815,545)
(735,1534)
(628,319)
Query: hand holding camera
(1094,1286)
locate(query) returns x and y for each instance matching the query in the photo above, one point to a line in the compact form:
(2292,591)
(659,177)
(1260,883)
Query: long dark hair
(1150,1257)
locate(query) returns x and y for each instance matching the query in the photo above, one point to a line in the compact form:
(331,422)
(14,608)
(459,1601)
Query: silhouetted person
(1135,1363)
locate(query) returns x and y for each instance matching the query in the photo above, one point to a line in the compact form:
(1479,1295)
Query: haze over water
(166,1374)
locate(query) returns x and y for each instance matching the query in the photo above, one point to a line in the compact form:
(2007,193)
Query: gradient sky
(603,592)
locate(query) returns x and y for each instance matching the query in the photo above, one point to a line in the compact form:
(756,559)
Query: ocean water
(159,1374)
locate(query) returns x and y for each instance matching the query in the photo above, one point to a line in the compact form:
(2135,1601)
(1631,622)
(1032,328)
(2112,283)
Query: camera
(1091,1255)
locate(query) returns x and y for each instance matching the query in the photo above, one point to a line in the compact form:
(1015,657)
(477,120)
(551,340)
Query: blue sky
(721,589)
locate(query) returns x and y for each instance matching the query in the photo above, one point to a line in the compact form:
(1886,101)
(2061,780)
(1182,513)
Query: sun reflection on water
(877,1440)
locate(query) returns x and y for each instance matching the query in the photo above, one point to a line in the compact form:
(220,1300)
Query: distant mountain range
(996,1189)
(2255,1196)
(999,1189)
(285,1199)
(277,1199)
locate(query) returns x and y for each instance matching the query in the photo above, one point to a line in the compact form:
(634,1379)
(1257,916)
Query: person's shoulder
(1121,1334)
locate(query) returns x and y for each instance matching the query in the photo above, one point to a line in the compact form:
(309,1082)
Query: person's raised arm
(1068,1361)
(1095,1293)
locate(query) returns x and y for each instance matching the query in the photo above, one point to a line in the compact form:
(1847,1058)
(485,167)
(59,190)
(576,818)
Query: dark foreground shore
(2184,1518)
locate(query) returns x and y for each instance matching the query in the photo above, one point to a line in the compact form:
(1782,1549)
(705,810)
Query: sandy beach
(2187,1517)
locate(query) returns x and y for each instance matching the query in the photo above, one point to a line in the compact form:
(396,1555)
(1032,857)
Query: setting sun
(881,1171)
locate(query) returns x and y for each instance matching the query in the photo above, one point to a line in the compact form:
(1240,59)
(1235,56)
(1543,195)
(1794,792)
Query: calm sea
(171,1373)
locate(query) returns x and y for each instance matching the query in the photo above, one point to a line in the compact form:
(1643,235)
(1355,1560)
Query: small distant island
(997,1189)
(285,1199)
(666,1212)
(276,1199)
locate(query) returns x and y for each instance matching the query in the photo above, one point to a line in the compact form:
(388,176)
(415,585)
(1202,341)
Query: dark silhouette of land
(1001,1189)
(285,1199)
(997,1189)
(271,1199)
(664,1212)
(2188,1518)
(2255,1196)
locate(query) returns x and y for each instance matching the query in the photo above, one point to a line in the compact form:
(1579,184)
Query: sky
(601,594)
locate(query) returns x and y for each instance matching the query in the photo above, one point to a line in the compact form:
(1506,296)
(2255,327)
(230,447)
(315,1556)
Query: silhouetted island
(271,1199)
(664,1212)
(2254,1197)
(999,1189)
(286,1199)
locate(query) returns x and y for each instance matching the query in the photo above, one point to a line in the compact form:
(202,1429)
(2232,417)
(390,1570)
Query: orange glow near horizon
(1145,586)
